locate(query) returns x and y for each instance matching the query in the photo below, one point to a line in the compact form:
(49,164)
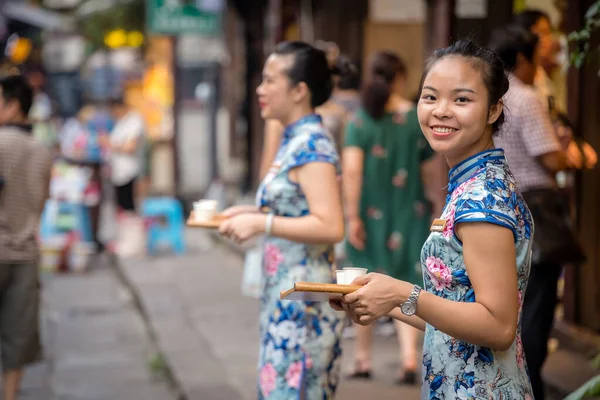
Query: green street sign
(176,17)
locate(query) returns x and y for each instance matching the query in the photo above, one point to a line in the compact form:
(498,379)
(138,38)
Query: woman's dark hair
(486,62)
(347,71)
(310,66)
(512,41)
(529,18)
(385,67)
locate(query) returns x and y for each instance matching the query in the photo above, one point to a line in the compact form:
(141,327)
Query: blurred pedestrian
(127,148)
(299,210)
(477,257)
(388,213)
(126,158)
(535,154)
(25,166)
(547,62)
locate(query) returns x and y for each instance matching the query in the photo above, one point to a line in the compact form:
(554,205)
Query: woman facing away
(477,258)
(384,162)
(299,210)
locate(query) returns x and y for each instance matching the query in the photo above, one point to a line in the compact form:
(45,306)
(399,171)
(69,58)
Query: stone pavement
(208,332)
(96,343)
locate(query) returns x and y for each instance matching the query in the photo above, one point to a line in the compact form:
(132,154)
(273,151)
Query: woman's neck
(296,115)
(486,143)
(345,93)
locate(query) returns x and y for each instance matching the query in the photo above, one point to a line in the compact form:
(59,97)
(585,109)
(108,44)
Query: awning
(38,17)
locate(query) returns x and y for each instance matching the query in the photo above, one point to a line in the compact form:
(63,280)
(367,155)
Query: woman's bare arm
(325,223)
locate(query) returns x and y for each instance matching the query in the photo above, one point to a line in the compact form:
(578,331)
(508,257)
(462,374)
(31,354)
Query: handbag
(554,239)
(253,275)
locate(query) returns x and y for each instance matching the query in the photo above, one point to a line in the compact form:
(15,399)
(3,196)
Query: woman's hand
(338,304)
(243,227)
(356,233)
(379,295)
(237,210)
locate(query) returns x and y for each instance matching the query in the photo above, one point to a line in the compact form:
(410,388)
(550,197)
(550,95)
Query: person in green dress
(385,162)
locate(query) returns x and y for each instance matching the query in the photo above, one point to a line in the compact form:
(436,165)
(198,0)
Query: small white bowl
(205,210)
(340,277)
(351,273)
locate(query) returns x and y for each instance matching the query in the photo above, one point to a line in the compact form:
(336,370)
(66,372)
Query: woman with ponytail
(388,214)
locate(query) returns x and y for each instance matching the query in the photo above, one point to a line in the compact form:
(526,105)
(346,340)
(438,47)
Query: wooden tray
(214,224)
(313,291)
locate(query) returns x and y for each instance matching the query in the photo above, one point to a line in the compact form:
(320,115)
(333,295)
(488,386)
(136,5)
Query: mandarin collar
(292,129)
(467,168)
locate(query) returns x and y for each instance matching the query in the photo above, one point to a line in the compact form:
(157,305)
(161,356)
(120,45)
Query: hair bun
(345,66)
(331,50)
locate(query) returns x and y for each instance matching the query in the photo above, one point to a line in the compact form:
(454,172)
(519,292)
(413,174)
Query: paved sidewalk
(96,343)
(208,331)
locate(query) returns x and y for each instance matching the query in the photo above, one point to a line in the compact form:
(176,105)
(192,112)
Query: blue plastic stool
(53,210)
(173,232)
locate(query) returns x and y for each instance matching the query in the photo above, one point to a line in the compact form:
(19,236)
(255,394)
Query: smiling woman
(476,260)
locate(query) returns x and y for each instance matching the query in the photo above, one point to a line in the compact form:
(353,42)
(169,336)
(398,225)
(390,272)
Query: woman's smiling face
(454,111)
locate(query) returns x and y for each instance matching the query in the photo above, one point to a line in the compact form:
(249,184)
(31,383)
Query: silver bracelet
(269,224)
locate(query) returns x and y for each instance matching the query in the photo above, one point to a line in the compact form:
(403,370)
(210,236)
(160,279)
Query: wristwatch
(409,307)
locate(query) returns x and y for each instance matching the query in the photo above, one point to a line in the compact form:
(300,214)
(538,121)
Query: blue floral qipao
(481,189)
(300,347)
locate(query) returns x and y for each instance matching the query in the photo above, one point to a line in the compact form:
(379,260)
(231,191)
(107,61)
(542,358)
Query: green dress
(393,207)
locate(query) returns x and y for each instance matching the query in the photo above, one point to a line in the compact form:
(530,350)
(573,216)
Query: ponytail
(385,67)
(375,96)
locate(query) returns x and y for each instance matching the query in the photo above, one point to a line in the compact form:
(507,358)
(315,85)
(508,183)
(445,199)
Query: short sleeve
(536,127)
(318,147)
(478,204)
(355,135)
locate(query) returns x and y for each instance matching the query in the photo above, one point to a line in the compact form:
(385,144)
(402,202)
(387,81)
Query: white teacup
(205,210)
(351,273)
(340,277)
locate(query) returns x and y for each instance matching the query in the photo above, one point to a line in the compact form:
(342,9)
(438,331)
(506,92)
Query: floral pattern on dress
(481,189)
(300,345)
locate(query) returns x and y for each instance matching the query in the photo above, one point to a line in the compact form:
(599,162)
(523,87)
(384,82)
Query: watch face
(408,308)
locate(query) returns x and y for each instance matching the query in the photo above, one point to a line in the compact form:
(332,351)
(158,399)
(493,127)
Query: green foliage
(588,391)
(129,16)
(581,38)
(596,361)
(158,366)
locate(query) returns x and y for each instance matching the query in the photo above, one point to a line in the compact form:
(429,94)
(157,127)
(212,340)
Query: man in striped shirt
(25,171)
(535,155)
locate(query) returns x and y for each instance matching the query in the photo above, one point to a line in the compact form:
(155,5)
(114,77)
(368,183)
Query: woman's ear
(495,112)
(300,92)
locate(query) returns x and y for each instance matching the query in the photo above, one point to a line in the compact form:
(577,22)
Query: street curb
(174,384)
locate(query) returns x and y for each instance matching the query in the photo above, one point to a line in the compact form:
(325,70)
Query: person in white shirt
(126,144)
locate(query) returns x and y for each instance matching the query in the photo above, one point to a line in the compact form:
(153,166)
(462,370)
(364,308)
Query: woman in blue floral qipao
(476,260)
(299,209)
